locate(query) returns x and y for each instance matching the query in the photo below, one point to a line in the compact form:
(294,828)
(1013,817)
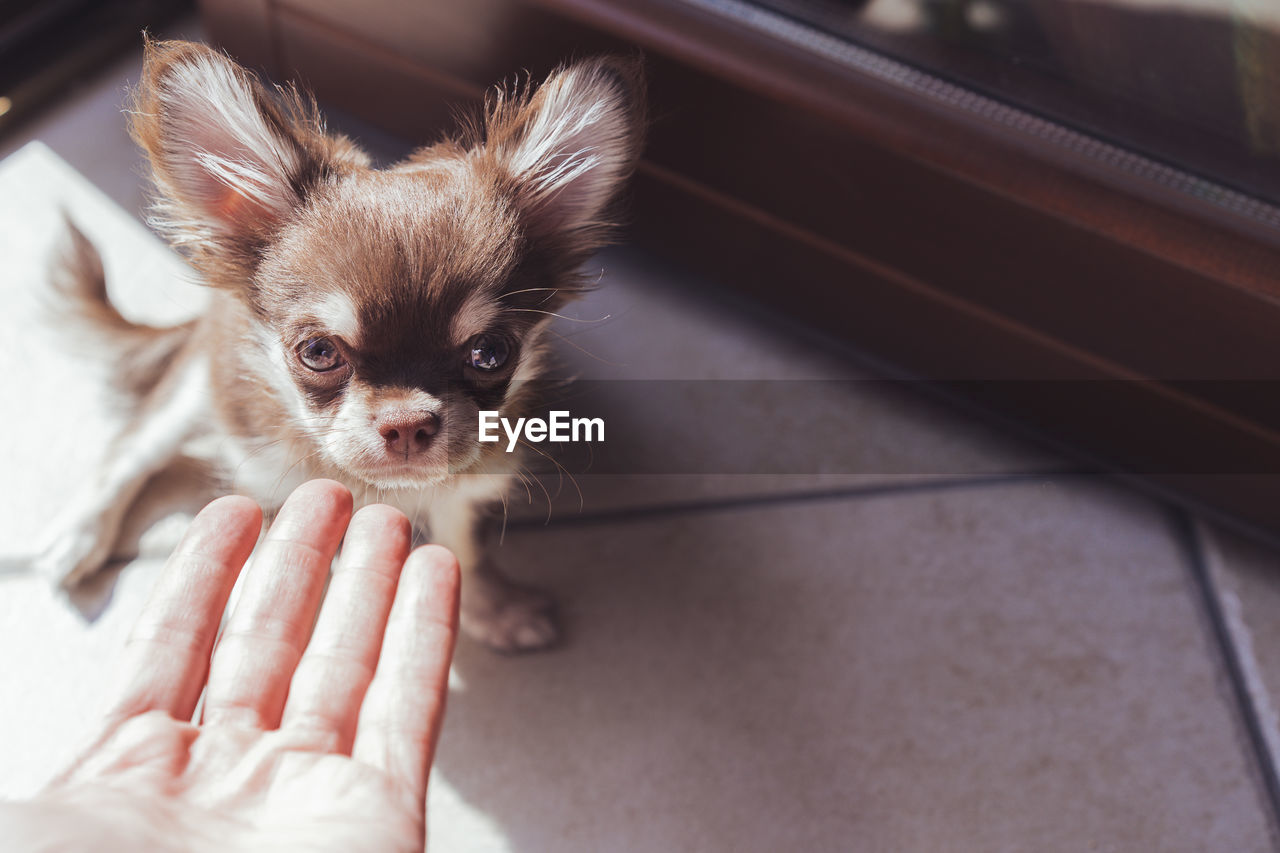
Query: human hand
(326,748)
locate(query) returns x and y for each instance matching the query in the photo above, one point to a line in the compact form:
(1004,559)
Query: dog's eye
(320,354)
(488,352)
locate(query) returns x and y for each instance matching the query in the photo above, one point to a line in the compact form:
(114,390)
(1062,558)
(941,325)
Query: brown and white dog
(360,318)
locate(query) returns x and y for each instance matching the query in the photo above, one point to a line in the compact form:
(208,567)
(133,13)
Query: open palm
(308,740)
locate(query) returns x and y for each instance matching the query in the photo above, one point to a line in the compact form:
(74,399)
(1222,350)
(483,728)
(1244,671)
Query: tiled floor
(943,642)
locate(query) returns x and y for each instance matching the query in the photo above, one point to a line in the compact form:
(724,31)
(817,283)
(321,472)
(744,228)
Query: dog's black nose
(407,433)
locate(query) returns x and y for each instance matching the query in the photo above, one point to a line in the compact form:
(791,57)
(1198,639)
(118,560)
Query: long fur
(87,316)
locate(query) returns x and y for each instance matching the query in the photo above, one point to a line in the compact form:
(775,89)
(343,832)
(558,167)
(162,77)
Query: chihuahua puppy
(360,318)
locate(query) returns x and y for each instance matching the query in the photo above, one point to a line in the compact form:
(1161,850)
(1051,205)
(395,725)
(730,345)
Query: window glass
(1194,83)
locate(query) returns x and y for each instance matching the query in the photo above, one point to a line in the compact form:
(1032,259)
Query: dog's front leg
(495,611)
(84,532)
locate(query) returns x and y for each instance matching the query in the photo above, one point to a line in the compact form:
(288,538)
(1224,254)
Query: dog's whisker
(565,471)
(584,350)
(560,316)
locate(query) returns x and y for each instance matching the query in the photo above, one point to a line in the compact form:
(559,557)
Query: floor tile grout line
(776,499)
(1194,542)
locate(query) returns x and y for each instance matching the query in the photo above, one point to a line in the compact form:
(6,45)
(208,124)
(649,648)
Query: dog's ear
(230,161)
(568,147)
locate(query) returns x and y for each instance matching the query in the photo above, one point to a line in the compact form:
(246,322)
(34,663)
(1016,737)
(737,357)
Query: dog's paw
(505,617)
(73,553)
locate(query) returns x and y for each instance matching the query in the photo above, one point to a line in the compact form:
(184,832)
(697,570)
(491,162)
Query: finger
(167,655)
(340,659)
(404,707)
(269,626)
